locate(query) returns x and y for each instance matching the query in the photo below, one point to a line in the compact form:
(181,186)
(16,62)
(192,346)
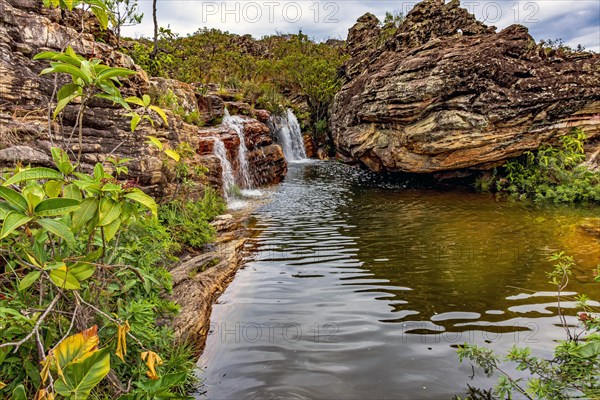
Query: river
(361,288)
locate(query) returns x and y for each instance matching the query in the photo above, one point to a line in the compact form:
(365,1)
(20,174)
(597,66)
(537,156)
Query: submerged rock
(444,92)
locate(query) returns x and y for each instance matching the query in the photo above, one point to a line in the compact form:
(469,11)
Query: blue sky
(575,21)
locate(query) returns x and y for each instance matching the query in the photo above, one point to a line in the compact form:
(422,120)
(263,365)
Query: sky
(575,21)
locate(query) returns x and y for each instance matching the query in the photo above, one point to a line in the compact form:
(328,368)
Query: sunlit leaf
(14,198)
(142,198)
(53,207)
(81,377)
(152,361)
(13,220)
(154,141)
(173,154)
(161,113)
(62,278)
(29,279)
(33,174)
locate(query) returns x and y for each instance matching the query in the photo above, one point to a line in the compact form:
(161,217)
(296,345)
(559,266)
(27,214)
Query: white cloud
(576,21)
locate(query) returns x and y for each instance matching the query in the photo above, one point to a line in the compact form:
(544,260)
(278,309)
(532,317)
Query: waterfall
(288,134)
(237,124)
(227,171)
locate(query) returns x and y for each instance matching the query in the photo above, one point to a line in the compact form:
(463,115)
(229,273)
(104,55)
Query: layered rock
(27,134)
(444,92)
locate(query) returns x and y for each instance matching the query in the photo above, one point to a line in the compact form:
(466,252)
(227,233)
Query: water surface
(361,288)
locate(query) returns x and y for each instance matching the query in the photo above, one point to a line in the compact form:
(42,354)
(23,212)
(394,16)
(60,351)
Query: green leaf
(13,198)
(59,206)
(53,188)
(19,393)
(135,100)
(157,143)
(5,208)
(111,229)
(113,98)
(146,100)
(67,69)
(29,279)
(87,210)
(109,211)
(34,174)
(81,377)
(13,220)
(173,154)
(102,16)
(64,279)
(160,113)
(82,271)
(98,172)
(66,93)
(142,198)
(135,120)
(589,350)
(72,192)
(60,229)
(115,72)
(70,4)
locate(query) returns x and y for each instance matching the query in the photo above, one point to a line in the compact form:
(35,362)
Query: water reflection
(362,288)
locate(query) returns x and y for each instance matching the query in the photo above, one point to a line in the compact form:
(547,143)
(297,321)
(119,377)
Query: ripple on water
(362,288)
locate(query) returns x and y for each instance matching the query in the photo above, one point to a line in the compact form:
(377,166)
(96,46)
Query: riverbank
(199,279)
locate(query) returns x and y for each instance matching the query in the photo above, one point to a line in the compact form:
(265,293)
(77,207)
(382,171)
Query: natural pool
(363,290)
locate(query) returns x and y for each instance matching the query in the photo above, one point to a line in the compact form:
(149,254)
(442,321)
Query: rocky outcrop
(443,92)
(27,134)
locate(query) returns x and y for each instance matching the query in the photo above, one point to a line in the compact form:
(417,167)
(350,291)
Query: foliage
(188,223)
(270,72)
(98,7)
(69,262)
(550,45)
(574,370)
(551,174)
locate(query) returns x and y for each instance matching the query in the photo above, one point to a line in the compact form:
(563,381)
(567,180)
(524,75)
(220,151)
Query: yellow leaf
(2,385)
(76,348)
(152,360)
(46,367)
(43,394)
(122,340)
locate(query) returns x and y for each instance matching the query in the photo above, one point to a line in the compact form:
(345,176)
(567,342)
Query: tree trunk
(155,49)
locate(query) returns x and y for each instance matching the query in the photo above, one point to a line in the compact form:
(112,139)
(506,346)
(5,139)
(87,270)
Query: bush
(551,174)
(85,253)
(189,222)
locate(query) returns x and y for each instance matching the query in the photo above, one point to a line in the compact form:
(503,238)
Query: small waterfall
(237,124)
(288,134)
(227,171)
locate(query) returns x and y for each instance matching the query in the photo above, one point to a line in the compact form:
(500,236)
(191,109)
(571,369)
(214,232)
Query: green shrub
(189,222)
(552,174)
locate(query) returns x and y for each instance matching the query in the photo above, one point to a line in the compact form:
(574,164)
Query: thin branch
(35,327)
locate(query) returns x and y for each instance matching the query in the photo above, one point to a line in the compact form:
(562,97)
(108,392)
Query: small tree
(124,13)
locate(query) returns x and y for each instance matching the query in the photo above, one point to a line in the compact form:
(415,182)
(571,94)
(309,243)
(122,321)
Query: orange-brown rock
(444,92)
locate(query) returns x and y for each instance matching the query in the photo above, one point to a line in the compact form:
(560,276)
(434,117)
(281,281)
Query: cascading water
(288,134)
(237,124)
(227,170)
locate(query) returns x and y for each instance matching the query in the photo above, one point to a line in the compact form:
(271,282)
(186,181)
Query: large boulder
(444,92)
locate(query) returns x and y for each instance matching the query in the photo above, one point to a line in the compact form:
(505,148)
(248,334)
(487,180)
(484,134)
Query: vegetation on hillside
(84,256)
(274,72)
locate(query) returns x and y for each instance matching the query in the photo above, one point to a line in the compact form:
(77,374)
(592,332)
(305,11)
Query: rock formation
(26,29)
(443,92)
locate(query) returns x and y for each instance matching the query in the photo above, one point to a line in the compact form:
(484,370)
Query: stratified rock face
(26,29)
(445,92)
